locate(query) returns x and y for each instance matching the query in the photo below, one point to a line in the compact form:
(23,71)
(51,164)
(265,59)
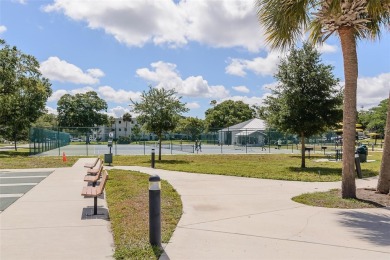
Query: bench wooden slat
(94,178)
(90,191)
(91,165)
(95,191)
(96,170)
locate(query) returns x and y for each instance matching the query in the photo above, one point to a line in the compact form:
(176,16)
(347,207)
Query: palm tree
(111,120)
(127,118)
(384,174)
(285,20)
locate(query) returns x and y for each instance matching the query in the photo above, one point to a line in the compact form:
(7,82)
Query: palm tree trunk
(348,45)
(384,174)
(303,161)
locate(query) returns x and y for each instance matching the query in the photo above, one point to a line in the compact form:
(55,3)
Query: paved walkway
(50,221)
(224,218)
(242,218)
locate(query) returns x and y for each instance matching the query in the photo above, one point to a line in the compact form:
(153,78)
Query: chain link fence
(93,142)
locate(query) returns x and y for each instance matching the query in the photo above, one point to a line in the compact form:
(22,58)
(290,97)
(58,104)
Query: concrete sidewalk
(242,218)
(50,221)
(224,217)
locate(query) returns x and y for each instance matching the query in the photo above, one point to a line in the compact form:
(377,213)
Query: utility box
(108,158)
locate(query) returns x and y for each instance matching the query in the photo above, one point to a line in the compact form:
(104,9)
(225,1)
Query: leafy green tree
(285,21)
(46,120)
(81,110)
(159,111)
(305,101)
(23,92)
(127,118)
(374,120)
(191,126)
(228,113)
(136,132)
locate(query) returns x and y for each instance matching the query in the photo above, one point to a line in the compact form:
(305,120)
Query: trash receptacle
(108,158)
(362,151)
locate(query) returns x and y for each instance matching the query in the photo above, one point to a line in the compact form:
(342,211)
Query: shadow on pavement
(373,227)
(102,213)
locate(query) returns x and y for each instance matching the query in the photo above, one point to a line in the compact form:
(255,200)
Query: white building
(119,128)
(250,133)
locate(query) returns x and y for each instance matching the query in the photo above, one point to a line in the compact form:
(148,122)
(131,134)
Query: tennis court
(146,149)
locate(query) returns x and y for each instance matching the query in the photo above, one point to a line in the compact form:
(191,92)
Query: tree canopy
(23,92)
(46,120)
(191,125)
(228,113)
(374,120)
(306,101)
(81,110)
(159,111)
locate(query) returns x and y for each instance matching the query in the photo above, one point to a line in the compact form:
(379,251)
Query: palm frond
(284,20)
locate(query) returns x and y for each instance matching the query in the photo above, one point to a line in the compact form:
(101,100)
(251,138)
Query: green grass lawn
(25,162)
(127,193)
(128,200)
(266,166)
(332,199)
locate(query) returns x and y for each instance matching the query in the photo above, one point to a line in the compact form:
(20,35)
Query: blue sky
(205,49)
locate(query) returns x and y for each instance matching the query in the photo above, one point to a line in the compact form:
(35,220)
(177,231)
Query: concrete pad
(51,222)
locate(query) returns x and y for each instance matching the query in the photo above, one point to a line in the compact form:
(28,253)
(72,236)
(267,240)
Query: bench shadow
(329,171)
(172,162)
(315,170)
(102,213)
(372,227)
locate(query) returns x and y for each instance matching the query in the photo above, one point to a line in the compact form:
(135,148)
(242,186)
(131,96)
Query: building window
(120,122)
(120,130)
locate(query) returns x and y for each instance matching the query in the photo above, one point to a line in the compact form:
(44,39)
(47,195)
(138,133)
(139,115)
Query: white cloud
(118,111)
(20,1)
(60,92)
(261,66)
(59,70)
(2,29)
(133,22)
(105,92)
(327,48)
(117,96)
(247,100)
(216,23)
(242,89)
(270,86)
(373,90)
(165,75)
(193,105)
(57,95)
(228,23)
(51,110)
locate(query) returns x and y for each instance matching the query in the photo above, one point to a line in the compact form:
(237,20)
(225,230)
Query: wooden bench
(95,170)
(92,165)
(93,178)
(96,191)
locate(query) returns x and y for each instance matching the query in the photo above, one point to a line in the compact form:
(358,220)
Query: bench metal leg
(95,205)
